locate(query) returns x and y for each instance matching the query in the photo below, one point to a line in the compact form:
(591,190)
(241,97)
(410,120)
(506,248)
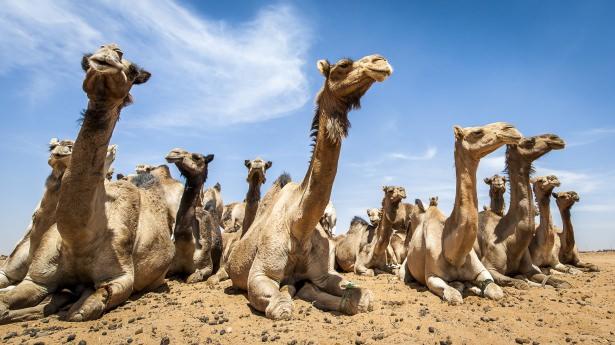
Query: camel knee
(25,294)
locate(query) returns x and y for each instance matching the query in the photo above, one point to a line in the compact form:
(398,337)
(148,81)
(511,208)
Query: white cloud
(205,72)
(430,153)
(571,180)
(493,163)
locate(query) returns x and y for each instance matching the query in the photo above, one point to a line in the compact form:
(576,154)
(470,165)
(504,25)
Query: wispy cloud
(430,153)
(204,71)
(590,136)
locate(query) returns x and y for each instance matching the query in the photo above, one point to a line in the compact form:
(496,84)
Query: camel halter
(483,286)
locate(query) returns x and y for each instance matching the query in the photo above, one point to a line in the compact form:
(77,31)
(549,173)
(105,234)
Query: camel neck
(82,192)
(384,232)
(497,201)
(253,197)
(186,214)
(461,227)
(567,235)
(318,181)
(545,229)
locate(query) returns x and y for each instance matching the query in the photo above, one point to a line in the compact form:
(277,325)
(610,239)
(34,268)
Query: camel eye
(344,64)
(120,53)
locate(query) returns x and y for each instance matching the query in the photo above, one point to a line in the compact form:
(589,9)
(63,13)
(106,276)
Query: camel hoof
(494,292)
(452,296)
(77,317)
(521,285)
(359,301)
(4,312)
(195,277)
(282,310)
(560,284)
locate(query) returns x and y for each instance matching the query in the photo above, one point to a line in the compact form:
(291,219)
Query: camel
(568,252)
(441,250)
(497,188)
(381,257)
(542,249)
(16,265)
(234,214)
(503,241)
(329,219)
(283,247)
(352,248)
(113,237)
(198,243)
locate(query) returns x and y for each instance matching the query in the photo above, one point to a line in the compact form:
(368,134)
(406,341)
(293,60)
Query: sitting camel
(503,241)
(497,188)
(283,247)
(568,252)
(352,248)
(440,251)
(198,243)
(543,250)
(16,266)
(111,238)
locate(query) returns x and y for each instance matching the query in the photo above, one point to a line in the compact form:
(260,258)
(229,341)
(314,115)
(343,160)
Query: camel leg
(44,309)
(26,294)
(93,304)
(487,286)
(220,276)
(587,267)
(350,299)
(503,280)
(4,280)
(266,296)
(559,267)
(442,289)
(534,274)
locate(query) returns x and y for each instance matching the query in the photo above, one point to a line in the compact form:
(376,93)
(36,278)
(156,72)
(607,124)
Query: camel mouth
(557,145)
(105,64)
(173,158)
(380,74)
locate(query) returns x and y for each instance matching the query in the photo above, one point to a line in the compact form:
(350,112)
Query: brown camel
(543,250)
(441,250)
(198,244)
(112,237)
(381,257)
(497,188)
(280,249)
(503,241)
(568,252)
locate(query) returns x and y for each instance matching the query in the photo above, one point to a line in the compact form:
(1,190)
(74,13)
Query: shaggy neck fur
(252,199)
(329,128)
(497,201)
(461,227)
(186,224)
(82,192)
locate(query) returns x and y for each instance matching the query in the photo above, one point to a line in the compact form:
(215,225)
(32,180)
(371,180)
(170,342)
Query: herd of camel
(94,241)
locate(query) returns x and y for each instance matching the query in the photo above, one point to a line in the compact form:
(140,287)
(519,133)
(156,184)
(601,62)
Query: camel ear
(142,77)
(268,164)
(324,67)
(247,163)
(419,204)
(53,143)
(487,180)
(85,63)
(458,132)
(209,158)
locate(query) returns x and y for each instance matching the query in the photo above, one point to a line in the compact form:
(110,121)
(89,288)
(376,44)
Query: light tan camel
(113,237)
(198,243)
(568,252)
(381,257)
(16,265)
(281,248)
(441,250)
(503,241)
(497,188)
(543,250)
(352,248)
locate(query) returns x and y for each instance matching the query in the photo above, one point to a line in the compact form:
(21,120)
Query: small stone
(83,342)
(431,329)
(165,340)
(522,341)
(229,329)
(129,340)
(568,339)
(264,338)
(70,338)
(139,331)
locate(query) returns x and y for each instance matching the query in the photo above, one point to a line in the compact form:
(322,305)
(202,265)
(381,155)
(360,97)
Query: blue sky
(238,79)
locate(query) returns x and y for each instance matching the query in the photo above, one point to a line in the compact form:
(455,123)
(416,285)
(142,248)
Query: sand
(198,314)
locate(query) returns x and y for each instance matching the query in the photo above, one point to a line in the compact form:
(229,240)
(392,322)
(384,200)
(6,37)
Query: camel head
(433,201)
(143,168)
(191,165)
(535,147)
(545,184)
(60,152)
(109,159)
(257,169)
(478,142)
(565,200)
(374,214)
(394,194)
(496,183)
(109,77)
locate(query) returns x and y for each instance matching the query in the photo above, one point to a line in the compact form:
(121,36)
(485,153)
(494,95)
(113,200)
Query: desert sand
(199,314)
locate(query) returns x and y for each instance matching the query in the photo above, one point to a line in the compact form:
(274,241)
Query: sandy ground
(197,314)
